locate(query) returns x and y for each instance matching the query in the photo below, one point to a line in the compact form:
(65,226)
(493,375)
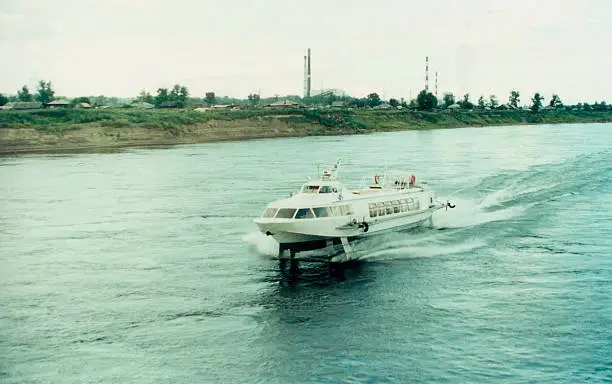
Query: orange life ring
(412,179)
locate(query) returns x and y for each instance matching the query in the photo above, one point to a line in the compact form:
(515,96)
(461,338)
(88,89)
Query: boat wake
(470,213)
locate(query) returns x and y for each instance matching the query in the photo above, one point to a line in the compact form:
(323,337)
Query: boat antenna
(385,171)
(337,167)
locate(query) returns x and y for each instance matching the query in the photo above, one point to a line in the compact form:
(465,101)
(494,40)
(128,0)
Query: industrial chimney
(307,76)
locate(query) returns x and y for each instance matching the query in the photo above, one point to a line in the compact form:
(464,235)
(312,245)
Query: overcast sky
(237,47)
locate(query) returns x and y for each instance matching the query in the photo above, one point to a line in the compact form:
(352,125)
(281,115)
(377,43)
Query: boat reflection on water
(313,272)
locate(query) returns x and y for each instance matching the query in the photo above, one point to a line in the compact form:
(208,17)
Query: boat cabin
(320,187)
(328,183)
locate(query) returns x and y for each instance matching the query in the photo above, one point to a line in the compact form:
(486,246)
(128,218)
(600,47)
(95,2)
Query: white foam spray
(265,245)
(469,213)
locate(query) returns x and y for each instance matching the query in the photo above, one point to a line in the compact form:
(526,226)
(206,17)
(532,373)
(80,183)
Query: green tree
(162,96)
(358,103)
(555,102)
(602,106)
(210,98)
(373,99)
(493,103)
(145,97)
(254,99)
(179,95)
(44,93)
(103,100)
(514,99)
(24,94)
(481,102)
(394,102)
(426,101)
(536,102)
(466,103)
(3,99)
(449,99)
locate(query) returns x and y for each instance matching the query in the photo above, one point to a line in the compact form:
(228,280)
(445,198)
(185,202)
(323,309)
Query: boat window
(396,207)
(325,189)
(304,213)
(269,212)
(403,205)
(388,207)
(346,210)
(285,213)
(413,204)
(334,211)
(381,209)
(321,212)
(310,189)
(373,210)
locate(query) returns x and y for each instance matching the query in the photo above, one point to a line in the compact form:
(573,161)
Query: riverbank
(72,129)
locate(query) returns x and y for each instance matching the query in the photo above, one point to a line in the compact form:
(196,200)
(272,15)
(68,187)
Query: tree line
(44,94)
(179,97)
(492,102)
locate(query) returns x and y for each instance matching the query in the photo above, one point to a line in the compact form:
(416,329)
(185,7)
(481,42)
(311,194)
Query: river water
(143,265)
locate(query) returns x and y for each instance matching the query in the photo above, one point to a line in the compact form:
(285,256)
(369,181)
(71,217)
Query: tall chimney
(309,76)
(436,83)
(426,74)
(305,76)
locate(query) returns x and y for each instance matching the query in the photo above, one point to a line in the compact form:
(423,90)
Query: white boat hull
(292,232)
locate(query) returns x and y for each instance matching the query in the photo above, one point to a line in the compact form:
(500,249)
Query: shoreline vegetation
(51,130)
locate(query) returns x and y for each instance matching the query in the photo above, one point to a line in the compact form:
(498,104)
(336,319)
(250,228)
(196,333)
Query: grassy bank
(74,128)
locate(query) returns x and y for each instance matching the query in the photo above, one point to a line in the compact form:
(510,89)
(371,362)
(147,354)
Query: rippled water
(143,265)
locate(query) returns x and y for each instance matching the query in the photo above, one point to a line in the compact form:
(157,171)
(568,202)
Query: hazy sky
(237,47)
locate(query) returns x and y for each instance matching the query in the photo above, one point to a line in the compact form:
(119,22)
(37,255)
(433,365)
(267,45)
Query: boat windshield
(310,189)
(318,189)
(325,189)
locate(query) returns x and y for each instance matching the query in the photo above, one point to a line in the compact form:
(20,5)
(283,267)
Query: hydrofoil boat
(324,212)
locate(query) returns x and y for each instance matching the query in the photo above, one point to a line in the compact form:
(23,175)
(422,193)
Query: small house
(141,105)
(169,104)
(283,104)
(383,105)
(59,103)
(222,106)
(21,105)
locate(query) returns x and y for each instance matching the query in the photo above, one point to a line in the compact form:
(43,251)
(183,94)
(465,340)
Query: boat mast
(337,168)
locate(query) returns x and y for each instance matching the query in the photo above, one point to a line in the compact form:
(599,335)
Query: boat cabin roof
(320,186)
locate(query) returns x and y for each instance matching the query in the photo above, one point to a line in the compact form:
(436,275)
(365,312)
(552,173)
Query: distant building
(83,106)
(22,105)
(141,105)
(283,104)
(384,105)
(222,106)
(169,104)
(338,104)
(59,103)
